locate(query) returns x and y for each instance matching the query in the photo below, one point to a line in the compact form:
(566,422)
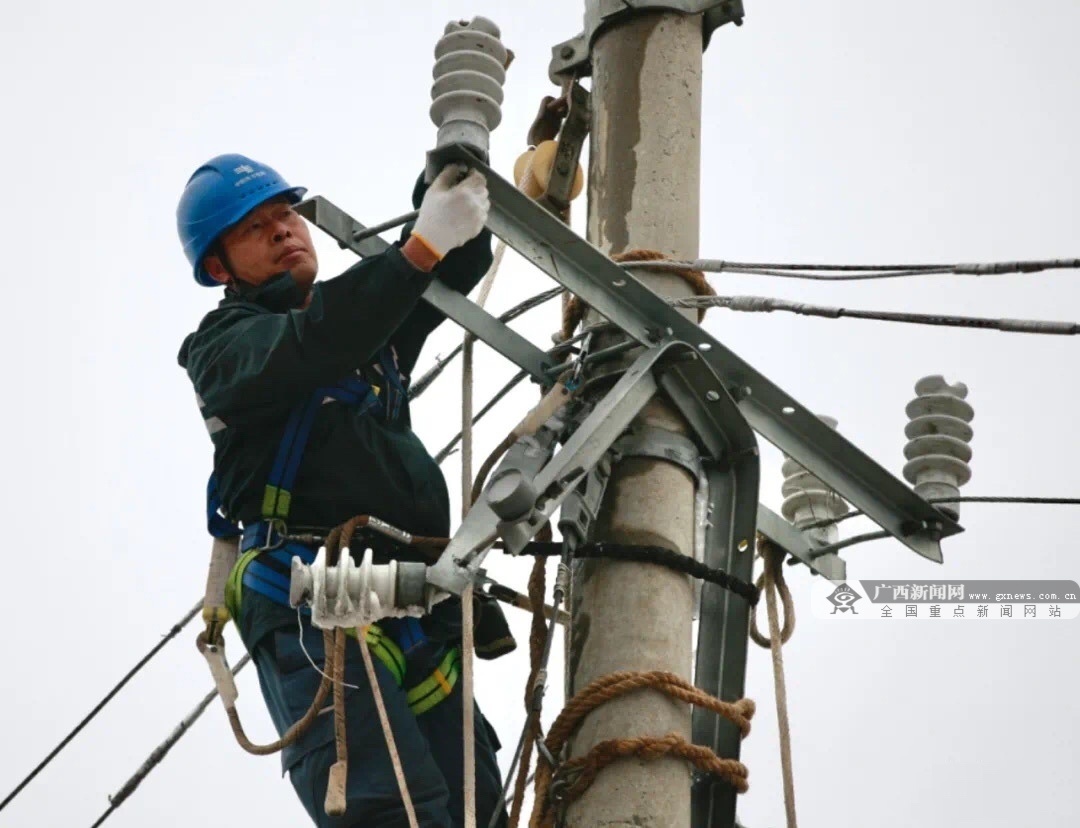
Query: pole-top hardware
(573,57)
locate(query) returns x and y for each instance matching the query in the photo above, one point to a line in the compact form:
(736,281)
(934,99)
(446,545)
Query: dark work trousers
(430,744)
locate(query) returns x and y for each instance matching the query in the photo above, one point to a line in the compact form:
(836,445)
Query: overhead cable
(169,636)
(853,272)
(421,385)
(766,304)
(448,449)
(159,753)
(1027,501)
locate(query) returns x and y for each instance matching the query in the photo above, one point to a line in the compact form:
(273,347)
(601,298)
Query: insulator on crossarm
(938,436)
(467,95)
(808,500)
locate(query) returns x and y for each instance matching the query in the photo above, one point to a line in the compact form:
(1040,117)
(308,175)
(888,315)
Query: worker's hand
(453,211)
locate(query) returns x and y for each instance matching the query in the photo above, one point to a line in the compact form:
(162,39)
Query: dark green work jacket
(255,357)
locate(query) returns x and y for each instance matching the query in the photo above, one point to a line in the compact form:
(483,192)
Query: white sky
(852,131)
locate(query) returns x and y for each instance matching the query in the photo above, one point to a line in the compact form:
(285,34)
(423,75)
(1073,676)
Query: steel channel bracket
(572,58)
(645,316)
(342,227)
(733,473)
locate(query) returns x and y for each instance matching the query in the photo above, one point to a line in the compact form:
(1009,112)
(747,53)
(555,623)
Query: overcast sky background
(845,132)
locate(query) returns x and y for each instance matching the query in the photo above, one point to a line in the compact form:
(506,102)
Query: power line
(839,272)
(853,272)
(766,304)
(448,449)
(1027,501)
(100,705)
(846,542)
(871,536)
(421,385)
(159,753)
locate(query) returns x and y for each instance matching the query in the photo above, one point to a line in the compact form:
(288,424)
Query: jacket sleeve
(461,270)
(251,365)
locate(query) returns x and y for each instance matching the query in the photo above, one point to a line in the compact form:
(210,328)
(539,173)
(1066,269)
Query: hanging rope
(579,773)
(574,309)
(388,733)
(336,800)
(772,582)
(468,718)
(299,728)
(533,687)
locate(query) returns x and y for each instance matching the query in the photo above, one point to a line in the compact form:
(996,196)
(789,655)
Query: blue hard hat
(220,193)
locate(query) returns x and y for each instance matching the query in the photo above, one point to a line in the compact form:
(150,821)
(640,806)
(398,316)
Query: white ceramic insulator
(467,95)
(938,436)
(808,500)
(349,594)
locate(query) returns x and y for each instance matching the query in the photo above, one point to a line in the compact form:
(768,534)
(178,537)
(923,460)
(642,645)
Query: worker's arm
(247,363)
(461,270)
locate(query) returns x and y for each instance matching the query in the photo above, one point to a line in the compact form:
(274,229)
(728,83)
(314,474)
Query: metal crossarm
(504,339)
(645,316)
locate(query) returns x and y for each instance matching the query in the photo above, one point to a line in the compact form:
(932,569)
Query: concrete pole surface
(644,180)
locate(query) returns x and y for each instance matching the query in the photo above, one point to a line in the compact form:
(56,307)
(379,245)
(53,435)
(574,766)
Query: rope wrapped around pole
(610,687)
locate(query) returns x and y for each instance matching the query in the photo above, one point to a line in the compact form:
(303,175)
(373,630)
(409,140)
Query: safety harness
(266,553)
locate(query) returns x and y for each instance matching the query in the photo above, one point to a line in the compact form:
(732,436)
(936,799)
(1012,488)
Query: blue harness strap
(268,573)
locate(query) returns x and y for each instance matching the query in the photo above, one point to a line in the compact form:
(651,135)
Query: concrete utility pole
(643,193)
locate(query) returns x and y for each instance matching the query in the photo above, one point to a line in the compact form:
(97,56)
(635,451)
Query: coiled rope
(578,774)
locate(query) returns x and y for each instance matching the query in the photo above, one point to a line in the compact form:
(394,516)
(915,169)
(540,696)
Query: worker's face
(271,238)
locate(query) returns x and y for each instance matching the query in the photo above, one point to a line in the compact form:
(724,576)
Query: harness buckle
(275,526)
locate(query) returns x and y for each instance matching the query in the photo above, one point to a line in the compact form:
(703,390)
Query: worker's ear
(216,268)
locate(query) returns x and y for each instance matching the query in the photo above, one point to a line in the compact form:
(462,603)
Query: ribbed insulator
(469,72)
(808,500)
(938,436)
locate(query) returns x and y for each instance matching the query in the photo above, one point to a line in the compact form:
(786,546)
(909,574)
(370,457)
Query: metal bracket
(572,136)
(786,537)
(582,506)
(590,441)
(643,315)
(660,444)
(573,57)
(690,383)
(342,227)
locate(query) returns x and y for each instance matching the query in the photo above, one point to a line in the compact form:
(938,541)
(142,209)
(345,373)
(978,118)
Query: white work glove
(452,213)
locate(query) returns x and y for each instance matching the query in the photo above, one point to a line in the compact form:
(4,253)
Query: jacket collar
(278,294)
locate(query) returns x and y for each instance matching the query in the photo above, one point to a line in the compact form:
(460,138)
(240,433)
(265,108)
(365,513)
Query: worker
(303,387)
